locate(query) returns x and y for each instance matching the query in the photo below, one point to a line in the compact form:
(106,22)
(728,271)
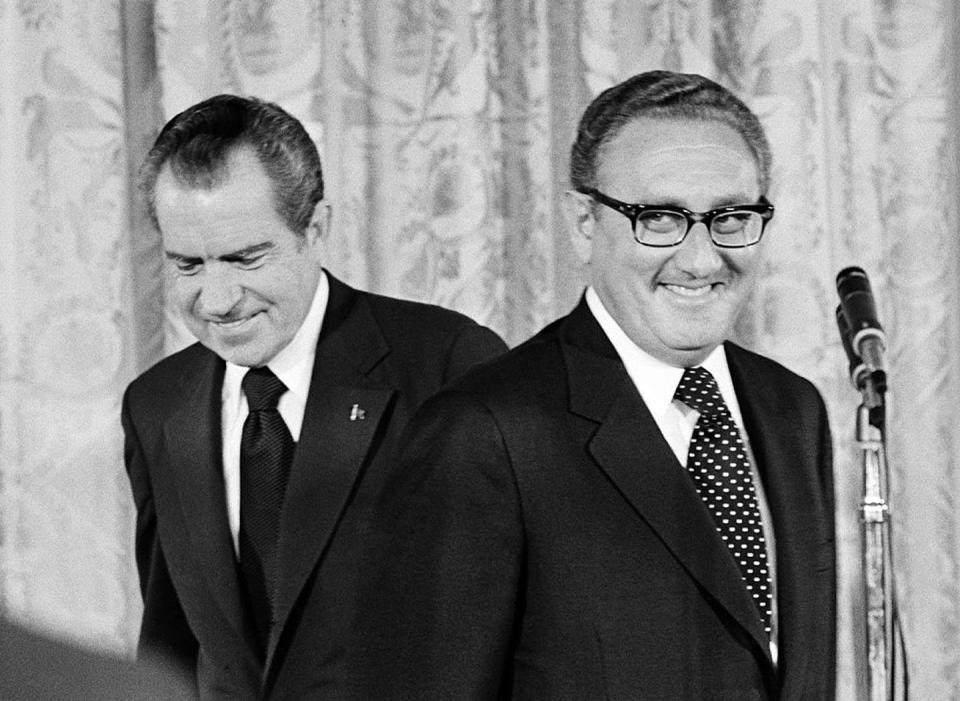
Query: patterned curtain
(67,343)
(433,121)
(444,128)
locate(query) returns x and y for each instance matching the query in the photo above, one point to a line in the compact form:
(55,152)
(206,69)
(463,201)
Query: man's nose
(697,254)
(220,291)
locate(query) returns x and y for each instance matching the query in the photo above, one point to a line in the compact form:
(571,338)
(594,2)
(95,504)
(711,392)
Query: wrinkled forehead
(706,160)
(656,156)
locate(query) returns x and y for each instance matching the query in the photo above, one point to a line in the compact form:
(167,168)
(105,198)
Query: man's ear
(578,210)
(319,225)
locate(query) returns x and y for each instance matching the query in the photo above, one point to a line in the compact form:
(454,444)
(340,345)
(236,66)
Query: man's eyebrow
(248,252)
(739,198)
(725,201)
(232,255)
(180,258)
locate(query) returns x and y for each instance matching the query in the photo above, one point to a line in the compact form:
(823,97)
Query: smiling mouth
(232,324)
(691,292)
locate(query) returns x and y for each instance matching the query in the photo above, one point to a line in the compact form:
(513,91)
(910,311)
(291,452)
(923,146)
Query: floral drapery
(444,128)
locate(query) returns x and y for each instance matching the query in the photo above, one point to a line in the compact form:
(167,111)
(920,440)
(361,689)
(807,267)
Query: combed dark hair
(198,142)
(662,95)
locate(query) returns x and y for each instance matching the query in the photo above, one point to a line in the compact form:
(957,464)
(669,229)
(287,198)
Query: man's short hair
(198,143)
(662,95)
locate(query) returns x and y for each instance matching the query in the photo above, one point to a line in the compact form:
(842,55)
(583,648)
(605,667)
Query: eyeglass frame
(632,212)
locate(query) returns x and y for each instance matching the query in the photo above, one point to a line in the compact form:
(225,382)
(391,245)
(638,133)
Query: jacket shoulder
(754,369)
(153,384)
(394,313)
(532,370)
(420,331)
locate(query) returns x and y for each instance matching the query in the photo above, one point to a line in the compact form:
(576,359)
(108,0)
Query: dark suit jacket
(34,667)
(539,539)
(382,354)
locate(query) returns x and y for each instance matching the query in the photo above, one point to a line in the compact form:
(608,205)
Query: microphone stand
(874,516)
(863,341)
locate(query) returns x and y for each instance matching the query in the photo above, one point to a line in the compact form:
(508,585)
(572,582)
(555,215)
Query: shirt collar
(655,380)
(294,363)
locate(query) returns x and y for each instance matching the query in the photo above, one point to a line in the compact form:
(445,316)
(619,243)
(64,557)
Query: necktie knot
(263,388)
(698,390)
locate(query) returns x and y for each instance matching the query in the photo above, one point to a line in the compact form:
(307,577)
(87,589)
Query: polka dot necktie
(266,453)
(717,461)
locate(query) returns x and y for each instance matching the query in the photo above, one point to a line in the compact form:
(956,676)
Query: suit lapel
(192,441)
(629,447)
(344,409)
(787,469)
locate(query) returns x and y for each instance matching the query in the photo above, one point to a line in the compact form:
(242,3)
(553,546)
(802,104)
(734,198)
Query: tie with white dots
(717,461)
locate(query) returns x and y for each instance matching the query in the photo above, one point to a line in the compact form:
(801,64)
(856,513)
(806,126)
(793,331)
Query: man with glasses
(628,505)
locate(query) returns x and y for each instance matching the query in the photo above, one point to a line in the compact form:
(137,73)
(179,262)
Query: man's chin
(249,355)
(694,349)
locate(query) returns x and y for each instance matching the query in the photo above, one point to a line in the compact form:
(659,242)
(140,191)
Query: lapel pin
(357,414)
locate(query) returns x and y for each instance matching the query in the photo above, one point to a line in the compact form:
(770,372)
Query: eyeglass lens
(737,228)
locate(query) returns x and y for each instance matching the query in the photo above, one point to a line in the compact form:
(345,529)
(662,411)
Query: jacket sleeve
(442,565)
(164,632)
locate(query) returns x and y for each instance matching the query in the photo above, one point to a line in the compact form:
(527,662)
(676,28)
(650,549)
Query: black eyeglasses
(662,226)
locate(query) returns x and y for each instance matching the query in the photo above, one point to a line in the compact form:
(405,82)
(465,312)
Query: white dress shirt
(657,382)
(293,365)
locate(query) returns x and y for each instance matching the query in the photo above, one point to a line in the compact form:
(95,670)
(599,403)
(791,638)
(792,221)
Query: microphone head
(856,365)
(861,331)
(852,275)
(856,298)
(845,337)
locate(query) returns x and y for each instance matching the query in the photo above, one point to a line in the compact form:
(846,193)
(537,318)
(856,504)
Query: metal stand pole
(876,546)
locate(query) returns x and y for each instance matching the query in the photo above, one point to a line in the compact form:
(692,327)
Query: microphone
(857,367)
(864,334)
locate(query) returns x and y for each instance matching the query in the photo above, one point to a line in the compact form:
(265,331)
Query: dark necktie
(718,463)
(266,453)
